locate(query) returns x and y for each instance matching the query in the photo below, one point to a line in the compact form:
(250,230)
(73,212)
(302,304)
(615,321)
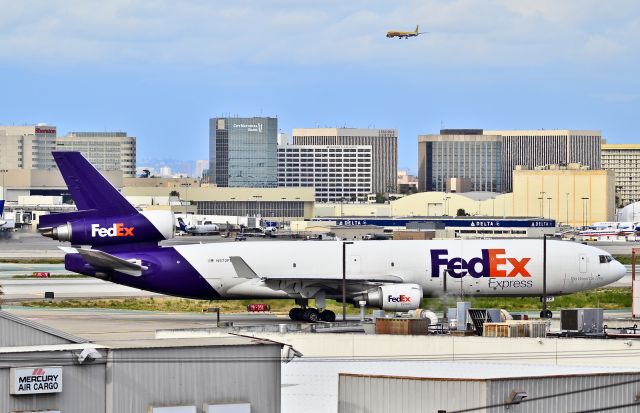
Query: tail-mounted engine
(81,228)
(394,297)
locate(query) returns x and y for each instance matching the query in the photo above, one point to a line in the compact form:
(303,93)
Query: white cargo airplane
(392,275)
(203,229)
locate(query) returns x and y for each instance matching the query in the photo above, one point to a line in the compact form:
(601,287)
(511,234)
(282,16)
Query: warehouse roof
(227,340)
(11,318)
(434,370)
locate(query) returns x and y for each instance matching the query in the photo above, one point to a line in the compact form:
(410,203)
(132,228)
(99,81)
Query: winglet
(242,268)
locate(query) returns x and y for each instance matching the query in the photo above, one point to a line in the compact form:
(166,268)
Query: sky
(160,69)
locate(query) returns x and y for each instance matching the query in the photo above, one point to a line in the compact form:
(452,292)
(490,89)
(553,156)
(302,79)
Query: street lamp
(446,204)
(545,313)
(584,210)
(549,206)
(344,279)
(4,193)
(542,193)
(567,222)
(186,195)
(257,200)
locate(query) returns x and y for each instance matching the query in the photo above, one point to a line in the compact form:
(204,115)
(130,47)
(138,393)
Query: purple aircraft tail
(89,189)
(104,216)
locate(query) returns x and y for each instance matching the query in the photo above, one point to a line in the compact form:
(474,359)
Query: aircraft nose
(617,271)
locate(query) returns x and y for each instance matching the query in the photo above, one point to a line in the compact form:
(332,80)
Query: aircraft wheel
(296,314)
(546,314)
(328,316)
(311,315)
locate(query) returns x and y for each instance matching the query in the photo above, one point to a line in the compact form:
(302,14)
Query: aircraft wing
(355,282)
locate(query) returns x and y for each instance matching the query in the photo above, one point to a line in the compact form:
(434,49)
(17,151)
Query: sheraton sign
(36,380)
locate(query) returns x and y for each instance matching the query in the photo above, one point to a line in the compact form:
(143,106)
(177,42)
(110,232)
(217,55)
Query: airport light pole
(186,196)
(344,279)
(545,312)
(4,192)
(567,208)
(584,210)
(549,206)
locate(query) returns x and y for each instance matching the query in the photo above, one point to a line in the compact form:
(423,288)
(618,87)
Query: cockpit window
(605,259)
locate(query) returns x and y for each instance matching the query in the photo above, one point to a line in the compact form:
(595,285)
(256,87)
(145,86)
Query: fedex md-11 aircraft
(113,241)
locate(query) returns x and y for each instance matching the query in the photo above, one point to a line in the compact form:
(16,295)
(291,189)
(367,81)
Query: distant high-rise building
(624,160)
(533,148)
(283,138)
(27,147)
(460,154)
(165,171)
(243,152)
(338,173)
(108,151)
(201,165)
(383,142)
(488,158)
(30,147)
(407,184)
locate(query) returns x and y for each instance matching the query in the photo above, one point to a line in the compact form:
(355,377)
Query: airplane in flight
(113,241)
(404,35)
(204,229)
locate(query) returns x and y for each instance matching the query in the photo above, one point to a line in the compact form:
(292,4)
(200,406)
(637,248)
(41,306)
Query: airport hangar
(46,370)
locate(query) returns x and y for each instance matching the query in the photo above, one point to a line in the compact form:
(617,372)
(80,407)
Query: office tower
(384,147)
(243,152)
(338,173)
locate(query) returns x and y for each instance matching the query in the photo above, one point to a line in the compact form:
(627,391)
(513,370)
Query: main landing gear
(310,314)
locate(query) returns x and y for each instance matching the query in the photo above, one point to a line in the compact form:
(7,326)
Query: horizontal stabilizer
(242,268)
(102,260)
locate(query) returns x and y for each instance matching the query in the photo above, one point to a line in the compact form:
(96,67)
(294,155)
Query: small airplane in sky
(405,35)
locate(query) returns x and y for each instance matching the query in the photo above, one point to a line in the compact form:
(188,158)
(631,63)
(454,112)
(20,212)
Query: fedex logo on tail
(492,264)
(117,230)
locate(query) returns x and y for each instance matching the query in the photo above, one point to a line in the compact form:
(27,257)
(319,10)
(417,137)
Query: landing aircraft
(404,35)
(113,241)
(204,229)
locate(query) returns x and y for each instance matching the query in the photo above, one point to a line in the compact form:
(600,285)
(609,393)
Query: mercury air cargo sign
(36,380)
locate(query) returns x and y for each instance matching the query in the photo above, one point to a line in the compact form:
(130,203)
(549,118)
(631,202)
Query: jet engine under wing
(326,281)
(101,259)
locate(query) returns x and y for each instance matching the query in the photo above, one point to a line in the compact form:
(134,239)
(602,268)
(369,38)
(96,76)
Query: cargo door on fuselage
(582,263)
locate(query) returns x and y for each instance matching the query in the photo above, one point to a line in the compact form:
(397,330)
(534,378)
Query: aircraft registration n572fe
(115,242)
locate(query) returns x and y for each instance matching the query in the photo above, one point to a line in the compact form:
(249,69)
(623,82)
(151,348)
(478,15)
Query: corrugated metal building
(544,392)
(45,369)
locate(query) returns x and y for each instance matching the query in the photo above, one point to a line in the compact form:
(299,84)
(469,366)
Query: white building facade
(30,147)
(337,172)
(624,160)
(384,149)
(107,151)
